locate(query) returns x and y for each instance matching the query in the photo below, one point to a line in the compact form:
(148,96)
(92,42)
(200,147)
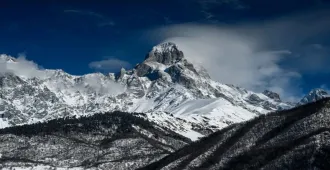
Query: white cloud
(109,64)
(254,55)
(20,67)
(28,69)
(317,46)
(234,58)
(100,84)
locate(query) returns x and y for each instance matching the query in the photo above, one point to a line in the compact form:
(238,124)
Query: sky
(281,45)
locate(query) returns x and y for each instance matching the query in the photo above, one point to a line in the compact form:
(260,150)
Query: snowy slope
(213,108)
(164,83)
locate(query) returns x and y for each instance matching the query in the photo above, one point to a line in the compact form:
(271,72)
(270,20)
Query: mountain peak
(314,95)
(167,57)
(165,53)
(7,58)
(166,46)
(318,92)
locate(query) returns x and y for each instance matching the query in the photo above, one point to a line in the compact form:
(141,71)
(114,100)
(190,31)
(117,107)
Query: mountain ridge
(165,82)
(314,95)
(295,139)
(115,140)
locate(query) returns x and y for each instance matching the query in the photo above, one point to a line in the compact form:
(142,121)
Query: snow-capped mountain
(166,86)
(314,95)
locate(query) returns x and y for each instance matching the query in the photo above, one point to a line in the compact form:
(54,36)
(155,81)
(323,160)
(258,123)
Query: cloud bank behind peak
(254,55)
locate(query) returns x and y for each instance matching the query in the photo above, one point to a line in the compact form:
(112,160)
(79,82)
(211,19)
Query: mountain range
(296,138)
(165,83)
(150,117)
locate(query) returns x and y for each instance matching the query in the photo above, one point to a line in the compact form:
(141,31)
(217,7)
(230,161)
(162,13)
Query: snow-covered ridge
(165,83)
(314,95)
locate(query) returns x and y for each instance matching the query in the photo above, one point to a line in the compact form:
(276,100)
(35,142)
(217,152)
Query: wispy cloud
(101,86)
(21,67)
(109,23)
(102,19)
(317,46)
(325,87)
(208,5)
(81,12)
(110,64)
(207,15)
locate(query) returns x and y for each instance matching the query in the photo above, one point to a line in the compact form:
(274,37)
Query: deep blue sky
(71,34)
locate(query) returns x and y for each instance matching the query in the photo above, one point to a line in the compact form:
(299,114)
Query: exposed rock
(142,69)
(165,53)
(272,95)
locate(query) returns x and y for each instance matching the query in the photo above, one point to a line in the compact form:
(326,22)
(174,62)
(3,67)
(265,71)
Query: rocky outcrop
(165,53)
(272,95)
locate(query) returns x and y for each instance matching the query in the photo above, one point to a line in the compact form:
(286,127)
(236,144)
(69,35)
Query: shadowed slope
(293,139)
(111,141)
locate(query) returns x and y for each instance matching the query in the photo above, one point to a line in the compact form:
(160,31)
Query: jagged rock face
(298,138)
(165,82)
(314,95)
(175,72)
(166,53)
(272,95)
(10,80)
(143,69)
